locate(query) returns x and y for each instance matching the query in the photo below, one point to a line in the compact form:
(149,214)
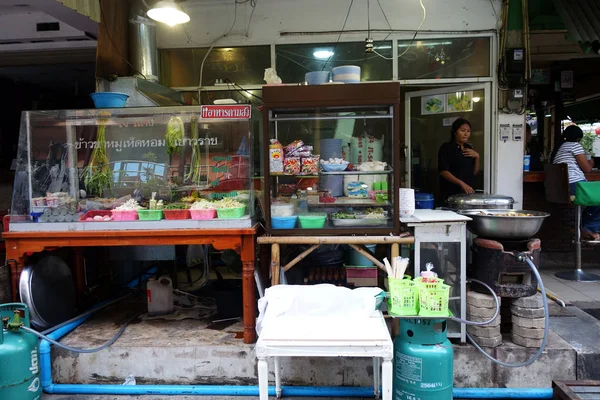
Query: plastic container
(231,213)
(160,295)
(346,74)
(282,210)
(362,276)
(433,298)
(355,258)
(288,222)
(316,77)
(316,221)
(124,215)
(404,296)
(334,167)
(109,99)
(150,215)
(203,214)
(424,201)
(95,213)
(176,214)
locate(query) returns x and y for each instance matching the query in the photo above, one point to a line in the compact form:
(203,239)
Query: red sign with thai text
(226,112)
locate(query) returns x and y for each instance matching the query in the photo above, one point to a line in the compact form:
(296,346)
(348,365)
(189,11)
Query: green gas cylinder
(423,360)
(19,355)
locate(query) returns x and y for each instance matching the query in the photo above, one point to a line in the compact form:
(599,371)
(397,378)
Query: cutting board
(427,216)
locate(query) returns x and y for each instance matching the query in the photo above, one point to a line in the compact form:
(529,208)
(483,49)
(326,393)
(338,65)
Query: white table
(326,337)
(440,226)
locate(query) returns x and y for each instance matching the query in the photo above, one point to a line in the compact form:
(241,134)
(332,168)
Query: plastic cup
(526,163)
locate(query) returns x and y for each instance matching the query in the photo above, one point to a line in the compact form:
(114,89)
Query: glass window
(444,58)
(295,60)
(242,65)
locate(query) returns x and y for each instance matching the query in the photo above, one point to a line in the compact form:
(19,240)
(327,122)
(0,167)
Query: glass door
(429,117)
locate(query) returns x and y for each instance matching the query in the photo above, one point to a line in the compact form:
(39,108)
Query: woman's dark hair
(456,125)
(572,133)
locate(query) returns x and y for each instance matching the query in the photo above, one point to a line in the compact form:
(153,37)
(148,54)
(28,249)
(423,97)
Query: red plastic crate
(362,276)
(93,213)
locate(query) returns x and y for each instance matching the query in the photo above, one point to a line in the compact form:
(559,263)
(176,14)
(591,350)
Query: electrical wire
(413,38)
(251,15)
(241,90)
(103,23)
(85,351)
(340,35)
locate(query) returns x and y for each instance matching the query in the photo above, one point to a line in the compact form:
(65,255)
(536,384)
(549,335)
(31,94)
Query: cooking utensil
(495,224)
(478,201)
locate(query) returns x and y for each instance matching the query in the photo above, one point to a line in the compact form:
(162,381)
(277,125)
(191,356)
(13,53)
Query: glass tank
(134,168)
(333,158)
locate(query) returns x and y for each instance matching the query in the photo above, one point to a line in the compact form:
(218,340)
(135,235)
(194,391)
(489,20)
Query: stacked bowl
(407,202)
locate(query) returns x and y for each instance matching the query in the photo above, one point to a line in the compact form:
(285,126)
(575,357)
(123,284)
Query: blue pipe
(227,390)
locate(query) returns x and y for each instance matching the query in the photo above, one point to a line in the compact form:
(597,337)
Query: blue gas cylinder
(423,360)
(19,355)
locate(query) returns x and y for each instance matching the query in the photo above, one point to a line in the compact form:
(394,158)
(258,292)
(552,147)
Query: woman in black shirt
(458,163)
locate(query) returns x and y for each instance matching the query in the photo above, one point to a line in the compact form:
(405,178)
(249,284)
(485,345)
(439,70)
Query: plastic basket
(312,221)
(433,299)
(176,214)
(284,222)
(128,215)
(230,213)
(94,213)
(203,214)
(150,215)
(404,294)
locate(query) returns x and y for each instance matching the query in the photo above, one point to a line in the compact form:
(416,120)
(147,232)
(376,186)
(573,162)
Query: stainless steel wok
(499,224)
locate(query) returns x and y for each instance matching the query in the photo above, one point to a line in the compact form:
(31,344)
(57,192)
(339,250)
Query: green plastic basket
(230,213)
(150,215)
(433,299)
(315,221)
(404,295)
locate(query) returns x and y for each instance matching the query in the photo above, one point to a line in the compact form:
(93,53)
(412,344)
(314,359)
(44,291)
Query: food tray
(203,214)
(176,214)
(150,215)
(93,213)
(126,215)
(230,213)
(345,222)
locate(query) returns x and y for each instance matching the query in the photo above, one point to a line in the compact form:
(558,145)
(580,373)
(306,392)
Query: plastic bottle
(160,296)
(303,203)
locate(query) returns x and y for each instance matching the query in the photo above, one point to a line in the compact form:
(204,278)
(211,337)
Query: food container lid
(423,196)
(480,199)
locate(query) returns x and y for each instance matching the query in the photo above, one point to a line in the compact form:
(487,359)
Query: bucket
(355,258)
(424,201)
(332,183)
(330,148)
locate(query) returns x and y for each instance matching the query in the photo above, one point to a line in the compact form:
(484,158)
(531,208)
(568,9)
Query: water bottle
(303,203)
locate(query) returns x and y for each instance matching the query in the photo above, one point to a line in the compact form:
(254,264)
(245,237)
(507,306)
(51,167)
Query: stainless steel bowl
(478,201)
(495,224)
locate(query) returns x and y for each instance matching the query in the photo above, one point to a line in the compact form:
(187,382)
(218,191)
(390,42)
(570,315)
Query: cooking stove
(496,264)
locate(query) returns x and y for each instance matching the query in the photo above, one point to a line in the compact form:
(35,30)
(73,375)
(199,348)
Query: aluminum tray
(346,222)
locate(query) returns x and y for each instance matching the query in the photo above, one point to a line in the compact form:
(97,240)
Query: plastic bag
(271,77)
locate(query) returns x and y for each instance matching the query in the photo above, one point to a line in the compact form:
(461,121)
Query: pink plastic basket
(129,215)
(203,214)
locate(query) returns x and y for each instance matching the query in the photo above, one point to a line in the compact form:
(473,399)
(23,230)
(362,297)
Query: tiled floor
(569,291)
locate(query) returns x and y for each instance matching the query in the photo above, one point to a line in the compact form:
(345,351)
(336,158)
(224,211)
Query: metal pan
(348,222)
(495,224)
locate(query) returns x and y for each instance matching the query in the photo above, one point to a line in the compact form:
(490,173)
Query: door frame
(487,128)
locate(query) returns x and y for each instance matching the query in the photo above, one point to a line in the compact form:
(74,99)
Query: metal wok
(504,224)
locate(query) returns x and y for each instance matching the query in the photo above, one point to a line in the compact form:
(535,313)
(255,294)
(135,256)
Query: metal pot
(495,224)
(479,201)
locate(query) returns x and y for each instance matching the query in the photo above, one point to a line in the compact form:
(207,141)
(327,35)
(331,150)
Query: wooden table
(540,176)
(20,245)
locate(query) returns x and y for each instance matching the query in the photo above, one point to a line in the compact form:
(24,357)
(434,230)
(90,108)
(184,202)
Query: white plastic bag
(271,77)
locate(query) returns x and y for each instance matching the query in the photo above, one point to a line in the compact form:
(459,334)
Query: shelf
(346,201)
(277,175)
(330,117)
(387,172)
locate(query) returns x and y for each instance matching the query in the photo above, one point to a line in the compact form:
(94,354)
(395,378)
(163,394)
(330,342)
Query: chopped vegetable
(175,135)
(129,205)
(228,203)
(343,215)
(203,205)
(373,213)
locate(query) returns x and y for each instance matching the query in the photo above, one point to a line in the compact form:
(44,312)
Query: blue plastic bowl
(424,201)
(346,74)
(109,99)
(317,77)
(334,167)
(284,222)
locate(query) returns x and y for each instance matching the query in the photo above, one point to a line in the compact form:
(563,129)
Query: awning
(587,111)
(582,20)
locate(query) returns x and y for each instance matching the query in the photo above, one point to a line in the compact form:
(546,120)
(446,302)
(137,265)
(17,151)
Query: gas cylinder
(423,360)
(19,355)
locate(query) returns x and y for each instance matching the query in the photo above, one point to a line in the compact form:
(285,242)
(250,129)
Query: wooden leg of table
(386,379)
(79,273)
(263,379)
(248,288)
(395,250)
(16,262)
(275,264)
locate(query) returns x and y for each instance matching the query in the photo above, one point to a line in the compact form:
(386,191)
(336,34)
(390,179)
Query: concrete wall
(213,18)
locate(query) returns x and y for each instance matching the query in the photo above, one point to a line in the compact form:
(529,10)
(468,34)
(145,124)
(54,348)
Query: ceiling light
(323,54)
(476,99)
(168,12)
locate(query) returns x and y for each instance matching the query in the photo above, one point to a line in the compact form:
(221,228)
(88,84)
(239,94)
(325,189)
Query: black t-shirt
(451,159)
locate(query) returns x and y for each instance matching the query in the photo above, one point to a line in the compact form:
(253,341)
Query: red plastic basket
(93,213)
(176,214)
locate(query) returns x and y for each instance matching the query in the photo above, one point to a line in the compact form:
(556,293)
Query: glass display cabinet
(333,158)
(134,168)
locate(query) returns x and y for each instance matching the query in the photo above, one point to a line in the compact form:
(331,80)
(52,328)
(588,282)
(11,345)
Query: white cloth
(566,155)
(315,300)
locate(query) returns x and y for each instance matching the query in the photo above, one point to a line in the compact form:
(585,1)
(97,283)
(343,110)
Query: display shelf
(386,172)
(346,201)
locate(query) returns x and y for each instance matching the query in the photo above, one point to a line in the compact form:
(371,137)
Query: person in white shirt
(571,153)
